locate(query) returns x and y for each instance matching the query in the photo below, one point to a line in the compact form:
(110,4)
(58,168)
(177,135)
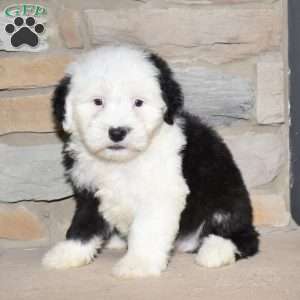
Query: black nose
(117,134)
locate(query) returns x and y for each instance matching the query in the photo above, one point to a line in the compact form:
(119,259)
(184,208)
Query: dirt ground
(271,275)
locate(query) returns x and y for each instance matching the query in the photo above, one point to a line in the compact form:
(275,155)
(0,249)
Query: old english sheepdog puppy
(146,174)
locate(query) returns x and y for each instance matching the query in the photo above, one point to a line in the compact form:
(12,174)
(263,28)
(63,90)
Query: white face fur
(114,104)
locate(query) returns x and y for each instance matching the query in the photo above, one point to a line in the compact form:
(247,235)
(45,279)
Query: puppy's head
(114,99)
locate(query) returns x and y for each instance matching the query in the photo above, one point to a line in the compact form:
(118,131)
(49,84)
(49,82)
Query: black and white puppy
(146,174)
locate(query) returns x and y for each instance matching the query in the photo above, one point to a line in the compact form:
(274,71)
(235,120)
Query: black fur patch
(171,90)
(87,222)
(68,157)
(216,187)
(58,102)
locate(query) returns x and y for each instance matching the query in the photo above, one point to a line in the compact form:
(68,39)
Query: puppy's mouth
(116,147)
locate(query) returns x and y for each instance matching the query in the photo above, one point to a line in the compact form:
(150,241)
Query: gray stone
(31,166)
(217,97)
(217,35)
(31,170)
(270,89)
(259,155)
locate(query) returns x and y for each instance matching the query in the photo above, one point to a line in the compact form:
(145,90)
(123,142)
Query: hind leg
(226,240)
(216,251)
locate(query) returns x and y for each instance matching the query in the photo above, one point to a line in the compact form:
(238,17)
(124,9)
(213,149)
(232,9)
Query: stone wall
(229,56)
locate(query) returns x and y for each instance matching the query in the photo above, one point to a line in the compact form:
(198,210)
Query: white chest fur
(143,183)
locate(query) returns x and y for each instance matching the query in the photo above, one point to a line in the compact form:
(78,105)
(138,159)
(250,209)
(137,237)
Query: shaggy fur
(164,181)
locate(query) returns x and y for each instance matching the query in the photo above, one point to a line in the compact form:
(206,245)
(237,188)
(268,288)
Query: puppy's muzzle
(117,134)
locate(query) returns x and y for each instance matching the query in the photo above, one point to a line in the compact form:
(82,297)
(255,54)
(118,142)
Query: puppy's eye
(138,102)
(98,102)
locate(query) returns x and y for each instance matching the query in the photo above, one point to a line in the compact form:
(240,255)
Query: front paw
(131,266)
(70,254)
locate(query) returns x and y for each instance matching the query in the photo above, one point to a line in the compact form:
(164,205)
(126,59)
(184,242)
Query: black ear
(58,102)
(171,90)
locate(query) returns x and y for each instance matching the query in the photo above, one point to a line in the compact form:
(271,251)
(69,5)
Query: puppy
(146,174)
